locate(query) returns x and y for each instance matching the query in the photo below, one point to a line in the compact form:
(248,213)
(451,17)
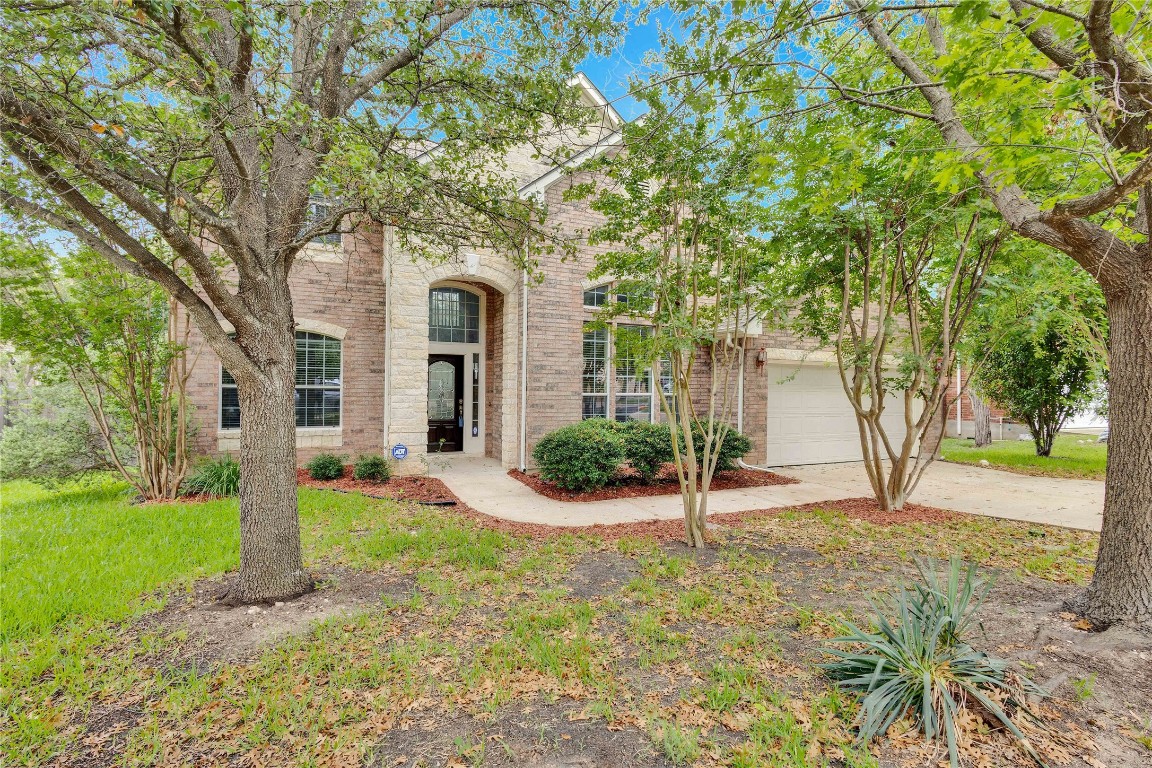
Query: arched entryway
(457,365)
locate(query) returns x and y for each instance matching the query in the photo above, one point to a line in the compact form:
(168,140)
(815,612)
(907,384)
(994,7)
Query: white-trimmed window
(595,383)
(632,394)
(318,384)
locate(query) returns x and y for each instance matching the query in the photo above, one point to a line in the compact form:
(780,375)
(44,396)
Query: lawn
(1075,456)
(433,641)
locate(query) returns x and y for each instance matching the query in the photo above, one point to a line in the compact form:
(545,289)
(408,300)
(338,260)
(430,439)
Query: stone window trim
(328,437)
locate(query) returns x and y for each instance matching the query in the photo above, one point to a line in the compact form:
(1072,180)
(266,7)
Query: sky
(610,73)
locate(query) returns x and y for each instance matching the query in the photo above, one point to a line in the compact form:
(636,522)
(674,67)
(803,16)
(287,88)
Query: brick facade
(344,292)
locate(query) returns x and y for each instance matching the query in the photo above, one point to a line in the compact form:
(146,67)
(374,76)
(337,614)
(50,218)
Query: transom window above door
(453,316)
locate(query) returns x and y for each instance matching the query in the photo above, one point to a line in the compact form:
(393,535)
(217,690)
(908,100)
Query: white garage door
(810,420)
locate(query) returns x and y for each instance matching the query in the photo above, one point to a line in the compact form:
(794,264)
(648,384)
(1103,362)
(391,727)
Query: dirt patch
(536,733)
(629,484)
(862,508)
(217,632)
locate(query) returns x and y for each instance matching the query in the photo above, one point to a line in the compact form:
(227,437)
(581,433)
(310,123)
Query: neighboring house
(468,357)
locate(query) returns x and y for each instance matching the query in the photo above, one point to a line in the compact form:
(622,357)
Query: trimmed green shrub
(920,665)
(583,456)
(735,446)
(372,467)
(326,467)
(647,446)
(216,478)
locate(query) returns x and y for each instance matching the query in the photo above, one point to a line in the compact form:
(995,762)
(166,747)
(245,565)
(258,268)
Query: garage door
(810,420)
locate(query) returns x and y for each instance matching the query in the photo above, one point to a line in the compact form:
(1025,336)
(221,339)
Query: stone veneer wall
(343,290)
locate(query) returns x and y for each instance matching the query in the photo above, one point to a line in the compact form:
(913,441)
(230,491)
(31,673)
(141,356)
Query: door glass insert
(441,391)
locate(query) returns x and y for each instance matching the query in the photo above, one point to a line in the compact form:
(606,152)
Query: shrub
(647,446)
(583,456)
(326,467)
(921,665)
(373,467)
(734,446)
(216,478)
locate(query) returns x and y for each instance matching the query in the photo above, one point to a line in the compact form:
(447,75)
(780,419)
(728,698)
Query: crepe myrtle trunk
(1121,589)
(271,566)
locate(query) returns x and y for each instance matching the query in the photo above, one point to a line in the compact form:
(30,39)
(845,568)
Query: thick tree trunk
(982,419)
(271,566)
(1121,590)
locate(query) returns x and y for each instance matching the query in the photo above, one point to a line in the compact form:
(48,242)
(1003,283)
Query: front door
(445,403)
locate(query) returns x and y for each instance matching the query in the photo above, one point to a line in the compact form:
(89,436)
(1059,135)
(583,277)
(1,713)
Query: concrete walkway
(486,486)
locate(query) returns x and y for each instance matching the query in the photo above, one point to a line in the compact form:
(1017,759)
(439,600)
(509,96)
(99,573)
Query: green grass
(1069,458)
(682,647)
(85,551)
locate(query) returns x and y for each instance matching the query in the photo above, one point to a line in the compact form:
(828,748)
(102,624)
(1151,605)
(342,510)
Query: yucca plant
(919,664)
(216,478)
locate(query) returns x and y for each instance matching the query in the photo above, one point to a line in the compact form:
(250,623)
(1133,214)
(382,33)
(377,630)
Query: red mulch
(629,484)
(408,488)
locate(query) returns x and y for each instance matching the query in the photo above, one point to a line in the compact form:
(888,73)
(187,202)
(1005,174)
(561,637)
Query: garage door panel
(809,419)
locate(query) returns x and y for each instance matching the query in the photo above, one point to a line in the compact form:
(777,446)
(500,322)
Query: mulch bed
(427,490)
(629,485)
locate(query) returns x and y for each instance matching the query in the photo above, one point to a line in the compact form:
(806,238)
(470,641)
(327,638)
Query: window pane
(595,297)
(318,384)
(595,407)
(595,361)
(634,408)
(317,407)
(229,408)
(453,316)
(317,212)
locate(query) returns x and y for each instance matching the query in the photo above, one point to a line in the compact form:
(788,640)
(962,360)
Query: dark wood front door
(445,403)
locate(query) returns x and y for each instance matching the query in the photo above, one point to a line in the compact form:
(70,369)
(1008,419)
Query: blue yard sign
(399,451)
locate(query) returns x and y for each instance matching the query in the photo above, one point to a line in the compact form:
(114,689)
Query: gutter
(385,252)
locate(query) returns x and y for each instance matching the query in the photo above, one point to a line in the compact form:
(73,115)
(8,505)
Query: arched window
(318,387)
(453,316)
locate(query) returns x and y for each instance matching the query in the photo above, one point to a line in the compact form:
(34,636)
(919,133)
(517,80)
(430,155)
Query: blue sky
(610,74)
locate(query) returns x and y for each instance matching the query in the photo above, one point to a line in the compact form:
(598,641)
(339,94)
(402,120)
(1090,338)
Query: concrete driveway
(486,486)
(980,491)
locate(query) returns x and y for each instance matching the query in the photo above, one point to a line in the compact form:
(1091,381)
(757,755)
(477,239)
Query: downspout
(523,369)
(385,253)
(740,395)
(959,402)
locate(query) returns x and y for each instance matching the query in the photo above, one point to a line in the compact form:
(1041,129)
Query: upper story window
(453,316)
(318,387)
(318,210)
(596,297)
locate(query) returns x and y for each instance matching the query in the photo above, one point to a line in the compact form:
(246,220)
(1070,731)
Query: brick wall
(348,293)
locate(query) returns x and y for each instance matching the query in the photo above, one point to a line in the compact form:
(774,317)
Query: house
(470,357)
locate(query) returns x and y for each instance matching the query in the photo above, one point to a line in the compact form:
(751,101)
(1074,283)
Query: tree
(681,236)
(1039,381)
(112,337)
(981,418)
(209,127)
(1084,71)
(885,268)
(1047,109)
(1042,313)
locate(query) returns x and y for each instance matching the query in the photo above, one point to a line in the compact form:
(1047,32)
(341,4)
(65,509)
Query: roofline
(536,187)
(598,98)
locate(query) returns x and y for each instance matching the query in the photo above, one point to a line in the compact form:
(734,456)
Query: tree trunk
(271,566)
(982,419)
(1121,590)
